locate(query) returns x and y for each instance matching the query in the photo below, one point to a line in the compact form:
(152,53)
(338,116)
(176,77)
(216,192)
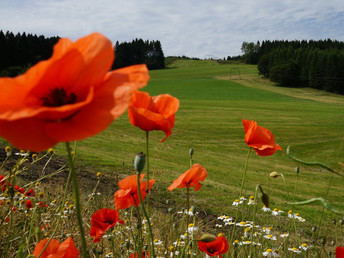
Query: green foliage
(316,64)
(286,74)
(139,52)
(18,52)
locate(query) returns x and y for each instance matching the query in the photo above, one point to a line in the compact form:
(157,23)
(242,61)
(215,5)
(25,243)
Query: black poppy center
(211,250)
(58,97)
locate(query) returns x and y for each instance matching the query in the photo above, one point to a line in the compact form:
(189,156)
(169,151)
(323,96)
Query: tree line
(20,51)
(138,52)
(316,64)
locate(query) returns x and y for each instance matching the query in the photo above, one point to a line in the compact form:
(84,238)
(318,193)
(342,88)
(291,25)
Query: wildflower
(247,232)
(127,195)
(99,174)
(51,151)
(214,248)
(266,209)
(157,242)
(304,247)
(237,202)
(277,212)
(68,97)
(340,252)
(243,224)
(251,201)
(8,150)
(54,249)
(259,138)
(294,250)
(284,235)
(190,178)
(28,204)
(271,253)
(153,113)
(192,228)
(270,237)
(101,221)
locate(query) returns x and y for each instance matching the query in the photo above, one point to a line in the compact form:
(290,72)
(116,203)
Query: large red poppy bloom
(340,252)
(68,97)
(101,221)
(153,113)
(190,178)
(259,138)
(127,195)
(214,248)
(66,249)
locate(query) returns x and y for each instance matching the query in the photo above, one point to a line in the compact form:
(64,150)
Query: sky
(194,28)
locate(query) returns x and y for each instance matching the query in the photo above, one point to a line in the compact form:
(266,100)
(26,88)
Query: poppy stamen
(58,97)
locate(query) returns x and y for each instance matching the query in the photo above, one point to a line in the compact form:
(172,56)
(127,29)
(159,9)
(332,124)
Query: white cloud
(184,27)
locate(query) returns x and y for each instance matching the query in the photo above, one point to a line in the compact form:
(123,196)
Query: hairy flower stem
(145,212)
(147,159)
(139,228)
(77,200)
(241,188)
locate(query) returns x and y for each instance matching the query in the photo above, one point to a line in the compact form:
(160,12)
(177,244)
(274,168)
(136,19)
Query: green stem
(139,227)
(60,215)
(77,200)
(145,212)
(254,215)
(147,159)
(241,188)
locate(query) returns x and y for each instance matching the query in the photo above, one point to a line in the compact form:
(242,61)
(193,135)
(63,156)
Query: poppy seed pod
(207,238)
(193,210)
(140,162)
(274,174)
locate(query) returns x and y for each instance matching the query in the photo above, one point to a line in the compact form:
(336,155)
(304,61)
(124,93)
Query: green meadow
(213,101)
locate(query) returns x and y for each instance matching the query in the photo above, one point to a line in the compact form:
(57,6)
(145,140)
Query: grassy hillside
(209,121)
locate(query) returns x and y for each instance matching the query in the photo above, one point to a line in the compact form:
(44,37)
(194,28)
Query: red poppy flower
(214,248)
(30,193)
(153,113)
(340,252)
(19,189)
(127,195)
(144,255)
(68,97)
(101,221)
(190,178)
(28,204)
(259,138)
(66,249)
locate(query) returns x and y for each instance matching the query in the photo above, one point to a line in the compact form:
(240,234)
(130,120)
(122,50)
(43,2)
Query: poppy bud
(191,151)
(11,191)
(334,222)
(341,221)
(170,210)
(314,228)
(274,174)
(206,238)
(140,162)
(193,210)
(264,197)
(297,170)
(38,234)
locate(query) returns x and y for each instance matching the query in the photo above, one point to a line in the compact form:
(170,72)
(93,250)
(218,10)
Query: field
(209,121)
(214,98)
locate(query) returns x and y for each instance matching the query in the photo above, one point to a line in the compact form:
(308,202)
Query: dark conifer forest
(316,64)
(20,51)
